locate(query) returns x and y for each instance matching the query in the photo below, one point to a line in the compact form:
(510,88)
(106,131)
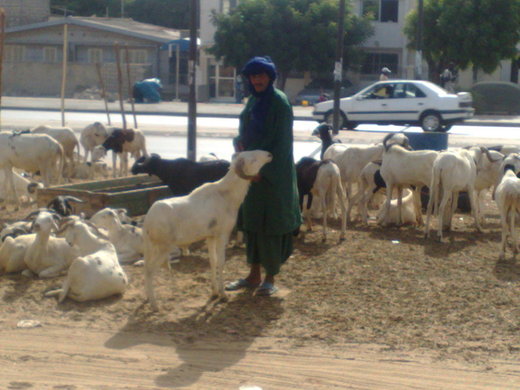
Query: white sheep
(209,212)
(25,188)
(452,172)
(352,159)
(127,239)
(93,135)
(488,175)
(507,197)
(47,256)
(370,184)
(408,210)
(96,273)
(122,142)
(12,253)
(15,229)
(402,167)
(66,137)
(31,153)
(326,189)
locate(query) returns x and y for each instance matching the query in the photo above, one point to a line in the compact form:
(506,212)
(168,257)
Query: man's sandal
(266,290)
(240,284)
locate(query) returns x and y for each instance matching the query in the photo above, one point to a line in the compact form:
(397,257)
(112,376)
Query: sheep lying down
(96,273)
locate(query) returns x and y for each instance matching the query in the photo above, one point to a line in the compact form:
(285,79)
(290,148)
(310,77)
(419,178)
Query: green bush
(496,97)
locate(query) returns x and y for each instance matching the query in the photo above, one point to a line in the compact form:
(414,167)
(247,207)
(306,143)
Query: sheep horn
(98,232)
(64,224)
(73,199)
(486,151)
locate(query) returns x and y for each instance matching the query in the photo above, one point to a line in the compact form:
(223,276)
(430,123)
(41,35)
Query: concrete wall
(19,12)
(38,79)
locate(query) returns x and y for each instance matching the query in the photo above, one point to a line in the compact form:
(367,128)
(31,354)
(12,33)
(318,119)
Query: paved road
(206,127)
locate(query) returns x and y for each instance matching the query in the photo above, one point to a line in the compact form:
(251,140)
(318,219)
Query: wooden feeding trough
(134,193)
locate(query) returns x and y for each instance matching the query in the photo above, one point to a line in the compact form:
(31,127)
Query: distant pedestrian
(448,77)
(385,74)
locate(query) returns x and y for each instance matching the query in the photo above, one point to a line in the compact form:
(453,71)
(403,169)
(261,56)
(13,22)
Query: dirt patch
(453,301)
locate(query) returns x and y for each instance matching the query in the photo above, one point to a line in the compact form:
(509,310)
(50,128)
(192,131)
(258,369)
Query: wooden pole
(64,72)
(130,94)
(120,84)
(2,34)
(192,71)
(103,91)
(338,67)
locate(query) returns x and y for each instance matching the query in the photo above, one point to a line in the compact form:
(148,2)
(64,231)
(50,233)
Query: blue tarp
(147,91)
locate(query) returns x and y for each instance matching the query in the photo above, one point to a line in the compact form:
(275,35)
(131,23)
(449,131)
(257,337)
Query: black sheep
(61,204)
(323,131)
(181,175)
(306,172)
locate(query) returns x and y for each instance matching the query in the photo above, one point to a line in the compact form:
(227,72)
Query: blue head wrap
(257,65)
(255,128)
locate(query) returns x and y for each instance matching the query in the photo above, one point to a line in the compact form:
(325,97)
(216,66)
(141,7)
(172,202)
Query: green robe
(271,205)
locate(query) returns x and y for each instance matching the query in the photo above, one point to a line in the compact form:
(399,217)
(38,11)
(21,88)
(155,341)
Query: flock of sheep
(53,241)
(392,164)
(207,195)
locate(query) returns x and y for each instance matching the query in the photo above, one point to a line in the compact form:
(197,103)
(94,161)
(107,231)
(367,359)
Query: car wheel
(329,119)
(431,121)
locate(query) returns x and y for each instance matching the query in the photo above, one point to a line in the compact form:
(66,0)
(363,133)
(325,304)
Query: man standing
(270,212)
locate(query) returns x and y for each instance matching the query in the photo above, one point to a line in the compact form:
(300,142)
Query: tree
(477,33)
(88,8)
(299,35)
(167,13)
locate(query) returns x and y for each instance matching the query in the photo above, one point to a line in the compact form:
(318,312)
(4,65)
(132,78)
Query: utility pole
(338,66)
(192,67)
(418,52)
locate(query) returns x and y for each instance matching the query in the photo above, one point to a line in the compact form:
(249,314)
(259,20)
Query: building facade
(20,12)
(386,47)
(34,54)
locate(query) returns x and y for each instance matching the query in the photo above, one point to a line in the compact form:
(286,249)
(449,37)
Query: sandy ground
(385,309)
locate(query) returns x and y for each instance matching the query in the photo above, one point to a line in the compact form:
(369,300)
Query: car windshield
(394,89)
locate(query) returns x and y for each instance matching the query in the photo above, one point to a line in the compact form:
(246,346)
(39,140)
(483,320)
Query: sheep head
(145,164)
(247,165)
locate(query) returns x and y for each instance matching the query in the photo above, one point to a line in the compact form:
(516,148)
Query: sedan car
(406,102)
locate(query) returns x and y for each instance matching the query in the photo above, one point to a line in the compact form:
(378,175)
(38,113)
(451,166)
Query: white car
(408,102)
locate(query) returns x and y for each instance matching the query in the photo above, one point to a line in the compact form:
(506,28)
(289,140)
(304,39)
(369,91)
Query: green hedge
(496,97)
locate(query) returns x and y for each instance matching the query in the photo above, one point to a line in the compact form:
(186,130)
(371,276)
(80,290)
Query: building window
(14,53)
(95,56)
(49,54)
(389,10)
(374,62)
(381,10)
